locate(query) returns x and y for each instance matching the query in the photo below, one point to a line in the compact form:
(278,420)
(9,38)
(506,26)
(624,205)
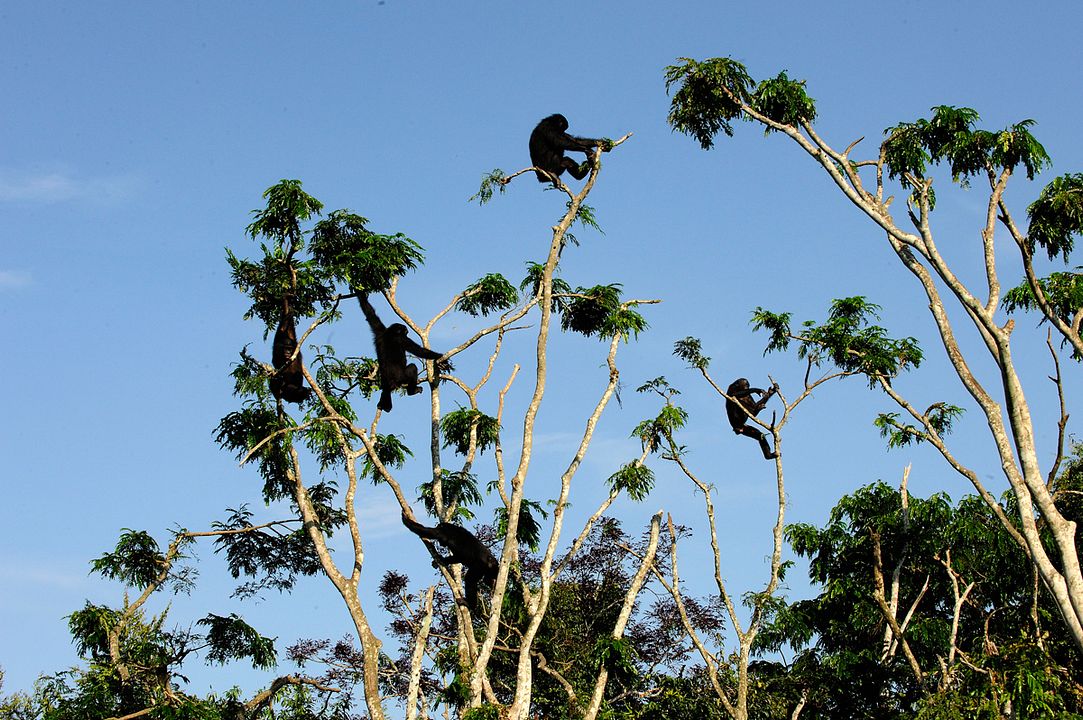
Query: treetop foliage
(598,311)
(634,478)
(231,638)
(365,261)
(136,561)
(456,427)
(848,339)
(1063,291)
(287,206)
(949,136)
(784,101)
(489,294)
(1056,216)
(690,350)
(708,97)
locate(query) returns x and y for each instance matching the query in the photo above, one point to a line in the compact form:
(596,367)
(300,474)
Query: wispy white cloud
(62,185)
(14,279)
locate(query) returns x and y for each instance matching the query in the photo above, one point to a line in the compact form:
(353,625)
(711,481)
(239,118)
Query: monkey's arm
(429,533)
(422,352)
(586,145)
(370,313)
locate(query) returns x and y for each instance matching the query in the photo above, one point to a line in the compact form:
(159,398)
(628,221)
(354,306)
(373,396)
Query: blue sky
(137,138)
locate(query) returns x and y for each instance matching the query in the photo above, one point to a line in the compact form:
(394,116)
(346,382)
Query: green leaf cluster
(458,489)
(231,638)
(137,561)
(784,101)
(489,294)
(528,531)
(949,136)
(272,558)
(708,98)
(457,425)
(847,339)
(391,452)
(1057,216)
(634,478)
(598,311)
(941,417)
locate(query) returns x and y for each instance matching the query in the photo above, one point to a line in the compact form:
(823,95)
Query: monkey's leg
(385,400)
(412,388)
(576,170)
(755,434)
(471,589)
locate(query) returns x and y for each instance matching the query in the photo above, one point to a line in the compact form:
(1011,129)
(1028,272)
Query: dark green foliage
(325,439)
(391,452)
(490,293)
(457,692)
(250,378)
(1057,216)
(616,655)
(949,136)
(838,635)
(528,531)
(584,215)
(100,691)
(784,101)
(709,97)
(941,417)
(691,351)
(534,273)
(483,712)
(322,496)
(688,695)
(495,180)
(1068,486)
(287,206)
(240,431)
(905,153)
(89,629)
(274,557)
(456,427)
(653,432)
(598,311)
(1063,291)
(363,260)
(268,280)
(137,561)
(356,373)
(458,489)
(576,633)
(847,339)
(231,638)
(634,478)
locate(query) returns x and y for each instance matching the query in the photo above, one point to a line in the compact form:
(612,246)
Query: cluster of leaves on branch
(574,641)
(848,339)
(134,662)
(590,311)
(708,95)
(1008,652)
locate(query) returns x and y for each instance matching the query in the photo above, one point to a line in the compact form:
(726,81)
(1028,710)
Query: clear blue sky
(136,137)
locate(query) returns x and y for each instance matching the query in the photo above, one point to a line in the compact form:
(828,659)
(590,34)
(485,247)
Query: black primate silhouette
(466,550)
(547,145)
(392,344)
(742,393)
(288,382)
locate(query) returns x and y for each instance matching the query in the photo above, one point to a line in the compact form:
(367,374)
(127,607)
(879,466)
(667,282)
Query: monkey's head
(397,330)
(740,384)
(557,121)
